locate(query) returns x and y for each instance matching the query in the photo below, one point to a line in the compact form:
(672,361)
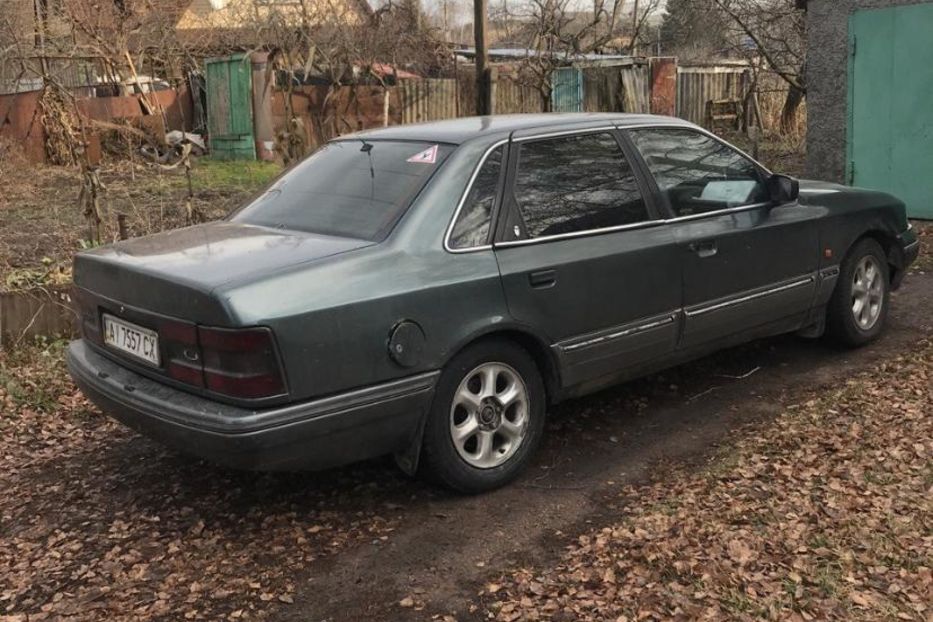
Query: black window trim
(647,191)
(466,194)
(671,217)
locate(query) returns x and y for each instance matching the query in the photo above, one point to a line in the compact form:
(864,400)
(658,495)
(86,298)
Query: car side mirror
(783,189)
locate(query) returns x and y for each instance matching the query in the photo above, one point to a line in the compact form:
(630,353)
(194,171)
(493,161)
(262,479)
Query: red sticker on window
(428,156)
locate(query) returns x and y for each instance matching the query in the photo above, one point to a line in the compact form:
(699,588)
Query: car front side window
(696,173)
(472,226)
(573,184)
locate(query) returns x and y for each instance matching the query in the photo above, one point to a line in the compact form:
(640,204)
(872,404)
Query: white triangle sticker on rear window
(428,156)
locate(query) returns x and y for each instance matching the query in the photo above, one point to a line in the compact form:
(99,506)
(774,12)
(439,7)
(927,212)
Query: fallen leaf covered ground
(97,523)
(824,514)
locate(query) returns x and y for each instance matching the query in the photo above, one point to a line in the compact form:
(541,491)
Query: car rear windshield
(348,188)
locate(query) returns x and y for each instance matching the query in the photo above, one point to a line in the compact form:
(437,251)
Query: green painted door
(890,111)
(567,90)
(230,108)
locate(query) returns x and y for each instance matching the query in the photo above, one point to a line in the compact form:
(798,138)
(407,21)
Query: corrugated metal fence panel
(636,88)
(663,87)
(23,75)
(698,85)
(428,100)
(616,89)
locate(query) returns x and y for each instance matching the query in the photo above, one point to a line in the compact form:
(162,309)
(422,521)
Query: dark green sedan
(427,291)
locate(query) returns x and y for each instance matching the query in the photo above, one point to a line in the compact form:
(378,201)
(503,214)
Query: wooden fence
(697,85)
(429,100)
(628,86)
(35,312)
(511,97)
(622,88)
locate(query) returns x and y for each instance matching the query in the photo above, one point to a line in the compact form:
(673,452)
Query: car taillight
(181,351)
(238,362)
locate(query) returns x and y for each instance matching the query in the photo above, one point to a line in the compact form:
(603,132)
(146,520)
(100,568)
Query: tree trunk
(791,108)
(795,96)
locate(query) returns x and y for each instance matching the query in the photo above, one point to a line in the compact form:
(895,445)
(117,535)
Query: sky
(460,12)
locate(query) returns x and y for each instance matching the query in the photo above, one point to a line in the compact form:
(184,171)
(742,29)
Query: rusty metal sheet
(663,85)
(20,124)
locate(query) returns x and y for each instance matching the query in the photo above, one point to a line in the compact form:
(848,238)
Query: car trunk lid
(178,273)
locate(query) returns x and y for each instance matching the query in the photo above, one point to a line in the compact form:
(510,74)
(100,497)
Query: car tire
(492,397)
(858,309)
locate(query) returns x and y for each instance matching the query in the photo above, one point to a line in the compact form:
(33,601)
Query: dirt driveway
(98,523)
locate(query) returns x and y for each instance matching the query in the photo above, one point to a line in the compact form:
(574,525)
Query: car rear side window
(472,226)
(697,173)
(349,188)
(576,183)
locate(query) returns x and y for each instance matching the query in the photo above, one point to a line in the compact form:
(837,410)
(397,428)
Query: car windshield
(349,188)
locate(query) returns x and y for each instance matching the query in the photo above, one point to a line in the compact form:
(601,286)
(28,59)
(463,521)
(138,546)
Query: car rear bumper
(322,433)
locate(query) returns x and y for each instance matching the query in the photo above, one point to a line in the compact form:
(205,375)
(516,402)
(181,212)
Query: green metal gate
(567,90)
(890,142)
(230,108)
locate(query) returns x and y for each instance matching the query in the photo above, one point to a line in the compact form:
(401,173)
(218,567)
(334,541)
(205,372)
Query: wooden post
(147,105)
(121,226)
(483,103)
(262,78)
(492,85)
(385,104)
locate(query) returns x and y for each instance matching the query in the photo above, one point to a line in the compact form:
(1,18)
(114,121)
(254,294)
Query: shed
(869,88)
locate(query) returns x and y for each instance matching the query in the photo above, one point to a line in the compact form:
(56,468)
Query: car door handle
(704,249)
(543,279)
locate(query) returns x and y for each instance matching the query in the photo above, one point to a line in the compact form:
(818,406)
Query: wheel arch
(536,344)
(890,247)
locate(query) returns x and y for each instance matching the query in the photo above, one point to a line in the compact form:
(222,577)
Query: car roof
(458,131)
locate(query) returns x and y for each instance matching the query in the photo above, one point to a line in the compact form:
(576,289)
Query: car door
(749,267)
(584,256)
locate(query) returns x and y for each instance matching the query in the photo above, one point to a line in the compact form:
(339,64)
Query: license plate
(136,341)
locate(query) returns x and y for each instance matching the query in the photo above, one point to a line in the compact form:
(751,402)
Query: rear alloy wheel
(858,309)
(487,417)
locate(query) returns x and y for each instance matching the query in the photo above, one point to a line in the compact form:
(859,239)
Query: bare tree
(554,34)
(775,31)
(694,29)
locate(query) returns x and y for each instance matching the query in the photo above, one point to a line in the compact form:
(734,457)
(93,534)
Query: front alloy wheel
(858,309)
(867,292)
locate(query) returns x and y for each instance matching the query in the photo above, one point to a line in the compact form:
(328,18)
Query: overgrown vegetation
(40,230)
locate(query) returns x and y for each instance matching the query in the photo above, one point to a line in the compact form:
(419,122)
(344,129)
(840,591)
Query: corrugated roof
(518,53)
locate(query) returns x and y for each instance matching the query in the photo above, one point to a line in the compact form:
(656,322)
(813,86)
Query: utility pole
(635,30)
(41,10)
(483,87)
(446,23)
